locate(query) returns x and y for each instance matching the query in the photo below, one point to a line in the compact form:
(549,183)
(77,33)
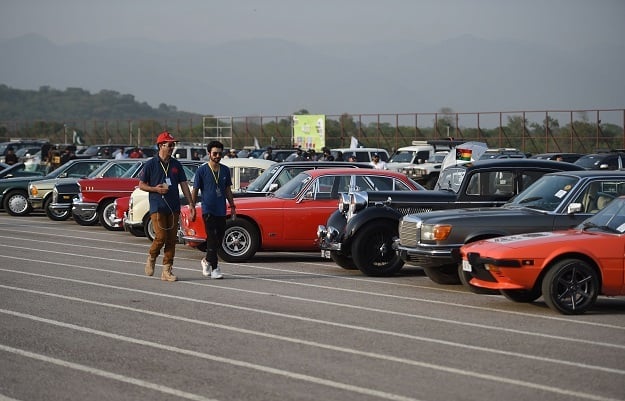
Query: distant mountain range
(278,77)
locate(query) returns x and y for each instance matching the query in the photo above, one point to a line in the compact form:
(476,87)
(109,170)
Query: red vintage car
(568,268)
(95,200)
(287,220)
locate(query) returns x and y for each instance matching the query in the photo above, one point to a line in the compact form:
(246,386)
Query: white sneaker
(216,273)
(206,269)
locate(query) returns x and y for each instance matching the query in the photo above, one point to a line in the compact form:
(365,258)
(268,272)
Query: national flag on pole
(463,154)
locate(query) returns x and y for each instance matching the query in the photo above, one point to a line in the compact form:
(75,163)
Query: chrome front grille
(409,233)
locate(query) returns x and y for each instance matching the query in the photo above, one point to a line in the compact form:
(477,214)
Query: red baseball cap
(165,137)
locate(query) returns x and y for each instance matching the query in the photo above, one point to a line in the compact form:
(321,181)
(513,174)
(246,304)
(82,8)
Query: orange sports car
(568,268)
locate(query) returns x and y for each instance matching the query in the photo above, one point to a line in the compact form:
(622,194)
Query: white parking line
(103,373)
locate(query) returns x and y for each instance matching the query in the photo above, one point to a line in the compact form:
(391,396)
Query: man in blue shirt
(214,181)
(161,176)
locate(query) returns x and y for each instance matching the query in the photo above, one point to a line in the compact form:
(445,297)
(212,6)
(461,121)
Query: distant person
(377,163)
(68,154)
(352,158)
(10,158)
(232,154)
(559,158)
(327,155)
(195,155)
(45,150)
(268,155)
(119,154)
(339,156)
(136,154)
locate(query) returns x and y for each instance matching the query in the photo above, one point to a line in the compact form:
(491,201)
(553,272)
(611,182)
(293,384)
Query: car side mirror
(273,187)
(574,208)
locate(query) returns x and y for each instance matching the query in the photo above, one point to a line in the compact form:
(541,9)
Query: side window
(323,187)
(504,183)
(598,194)
(382,183)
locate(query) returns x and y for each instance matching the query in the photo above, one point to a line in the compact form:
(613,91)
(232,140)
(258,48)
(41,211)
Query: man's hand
(192,212)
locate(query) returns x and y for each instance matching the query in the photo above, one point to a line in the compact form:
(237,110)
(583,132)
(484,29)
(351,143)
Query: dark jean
(215,230)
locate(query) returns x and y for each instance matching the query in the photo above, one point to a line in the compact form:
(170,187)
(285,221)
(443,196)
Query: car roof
(353,171)
(592,173)
(305,163)
(521,162)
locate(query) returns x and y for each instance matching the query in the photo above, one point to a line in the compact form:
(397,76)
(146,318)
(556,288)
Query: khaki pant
(166,233)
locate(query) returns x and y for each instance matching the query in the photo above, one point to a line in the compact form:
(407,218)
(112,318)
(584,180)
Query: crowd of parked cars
(497,222)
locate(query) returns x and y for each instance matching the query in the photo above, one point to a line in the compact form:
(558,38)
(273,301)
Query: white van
(364,155)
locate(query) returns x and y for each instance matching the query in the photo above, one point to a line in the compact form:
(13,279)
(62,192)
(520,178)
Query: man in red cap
(161,176)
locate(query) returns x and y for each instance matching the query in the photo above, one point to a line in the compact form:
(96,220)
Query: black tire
(571,286)
(56,215)
(16,203)
(372,250)
(91,220)
(106,214)
(343,261)
(241,241)
(446,274)
(522,296)
(465,277)
(137,231)
(148,228)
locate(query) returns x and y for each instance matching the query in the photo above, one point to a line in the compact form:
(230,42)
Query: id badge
(168,181)
(218,192)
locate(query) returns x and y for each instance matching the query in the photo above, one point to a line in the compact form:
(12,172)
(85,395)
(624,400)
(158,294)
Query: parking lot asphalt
(79,320)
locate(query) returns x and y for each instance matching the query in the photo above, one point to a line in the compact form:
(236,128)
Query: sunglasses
(169,145)
(216,153)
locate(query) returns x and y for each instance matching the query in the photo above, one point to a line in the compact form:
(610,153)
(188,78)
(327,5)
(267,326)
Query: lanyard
(165,170)
(215,176)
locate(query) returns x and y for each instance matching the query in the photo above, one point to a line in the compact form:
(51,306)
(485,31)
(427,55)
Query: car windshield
(259,183)
(546,193)
(132,170)
(402,156)
(589,161)
(437,158)
(291,189)
(610,219)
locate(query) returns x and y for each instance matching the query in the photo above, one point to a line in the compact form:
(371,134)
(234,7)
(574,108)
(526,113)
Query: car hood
(548,241)
(444,216)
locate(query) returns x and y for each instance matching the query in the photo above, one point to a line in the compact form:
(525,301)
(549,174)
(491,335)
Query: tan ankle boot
(167,275)
(149,266)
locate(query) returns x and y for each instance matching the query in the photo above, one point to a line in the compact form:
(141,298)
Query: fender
(365,216)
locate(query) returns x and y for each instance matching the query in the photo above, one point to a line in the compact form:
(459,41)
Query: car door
(311,208)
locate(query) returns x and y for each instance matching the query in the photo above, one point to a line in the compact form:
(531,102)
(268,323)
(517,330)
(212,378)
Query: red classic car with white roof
(287,220)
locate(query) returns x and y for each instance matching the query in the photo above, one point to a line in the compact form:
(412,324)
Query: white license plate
(466,266)
(325,254)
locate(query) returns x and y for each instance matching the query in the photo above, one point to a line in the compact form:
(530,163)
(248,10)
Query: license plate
(466,266)
(325,254)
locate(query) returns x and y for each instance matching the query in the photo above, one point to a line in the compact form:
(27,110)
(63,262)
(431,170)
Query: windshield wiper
(590,224)
(532,199)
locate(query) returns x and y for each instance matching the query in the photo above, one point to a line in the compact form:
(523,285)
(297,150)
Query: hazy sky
(564,23)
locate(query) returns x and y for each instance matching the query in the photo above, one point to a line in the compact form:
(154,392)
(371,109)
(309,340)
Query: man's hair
(214,144)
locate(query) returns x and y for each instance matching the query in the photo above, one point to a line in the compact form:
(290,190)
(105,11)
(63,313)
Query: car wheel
(16,203)
(137,231)
(106,215)
(571,286)
(465,278)
(241,241)
(373,253)
(521,296)
(343,261)
(446,274)
(148,228)
(56,215)
(90,220)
